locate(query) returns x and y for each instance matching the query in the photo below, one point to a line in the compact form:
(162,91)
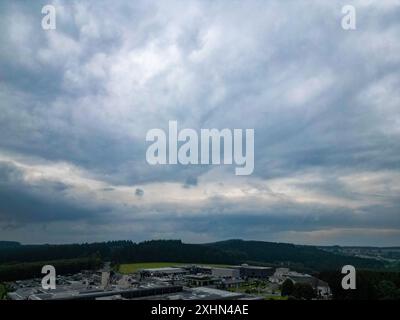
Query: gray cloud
(190,181)
(322,101)
(139,192)
(23,203)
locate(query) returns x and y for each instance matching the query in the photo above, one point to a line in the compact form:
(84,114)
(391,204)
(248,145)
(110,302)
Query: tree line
(29,270)
(370,285)
(308,258)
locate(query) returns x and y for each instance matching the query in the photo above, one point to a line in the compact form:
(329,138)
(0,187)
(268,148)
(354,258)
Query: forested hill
(309,257)
(226,252)
(9,244)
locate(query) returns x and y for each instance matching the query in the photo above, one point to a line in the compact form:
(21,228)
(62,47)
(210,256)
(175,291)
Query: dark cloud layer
(76,103)
(25,203)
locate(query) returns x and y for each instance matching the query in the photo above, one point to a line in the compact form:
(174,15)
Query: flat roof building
(167,271)
(205,293)
(255,272)
(200,280)
(96,294)
(225,272)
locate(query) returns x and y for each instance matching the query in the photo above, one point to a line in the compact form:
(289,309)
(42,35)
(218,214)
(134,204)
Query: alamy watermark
(212,146)
(49,21)
(49,280)
(349,20)
(349,280)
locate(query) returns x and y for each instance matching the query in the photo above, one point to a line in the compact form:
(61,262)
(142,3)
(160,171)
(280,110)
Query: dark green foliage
(303,291)
(295,256)
(3,291)
(387,290)
(28,270)
(228,252)
(287,288)
(369,285)
(9,244)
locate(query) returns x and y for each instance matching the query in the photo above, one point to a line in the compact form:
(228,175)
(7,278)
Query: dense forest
(29,270)
(9,244)
(308,258)
(227,252)
(370,285)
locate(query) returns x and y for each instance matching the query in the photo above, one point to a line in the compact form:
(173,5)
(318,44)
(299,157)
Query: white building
(105,279)
(321,287)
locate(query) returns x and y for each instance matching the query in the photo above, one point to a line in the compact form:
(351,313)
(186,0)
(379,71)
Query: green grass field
(134,267)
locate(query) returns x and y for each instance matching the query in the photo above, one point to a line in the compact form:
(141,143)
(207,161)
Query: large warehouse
(255,272)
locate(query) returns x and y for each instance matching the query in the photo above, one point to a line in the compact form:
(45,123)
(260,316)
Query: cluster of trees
(3,291)
(28,270)
(9,244)
(308,258)
(370,285)
(227,252)
(297,290)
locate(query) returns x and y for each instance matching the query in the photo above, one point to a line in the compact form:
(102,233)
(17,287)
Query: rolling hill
(225,252)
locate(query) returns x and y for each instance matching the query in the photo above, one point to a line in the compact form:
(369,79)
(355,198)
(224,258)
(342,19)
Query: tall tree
(287,287)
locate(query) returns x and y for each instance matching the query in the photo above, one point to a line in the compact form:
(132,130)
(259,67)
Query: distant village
(180,282)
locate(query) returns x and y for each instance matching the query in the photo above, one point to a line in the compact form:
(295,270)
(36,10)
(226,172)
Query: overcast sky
(76,104)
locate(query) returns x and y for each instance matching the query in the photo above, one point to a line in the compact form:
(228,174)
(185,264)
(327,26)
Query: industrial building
(321,287)
(67,293)
(205,293)
(225,273)
(200,280)
(258,272)
(170,283)
(162,272)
